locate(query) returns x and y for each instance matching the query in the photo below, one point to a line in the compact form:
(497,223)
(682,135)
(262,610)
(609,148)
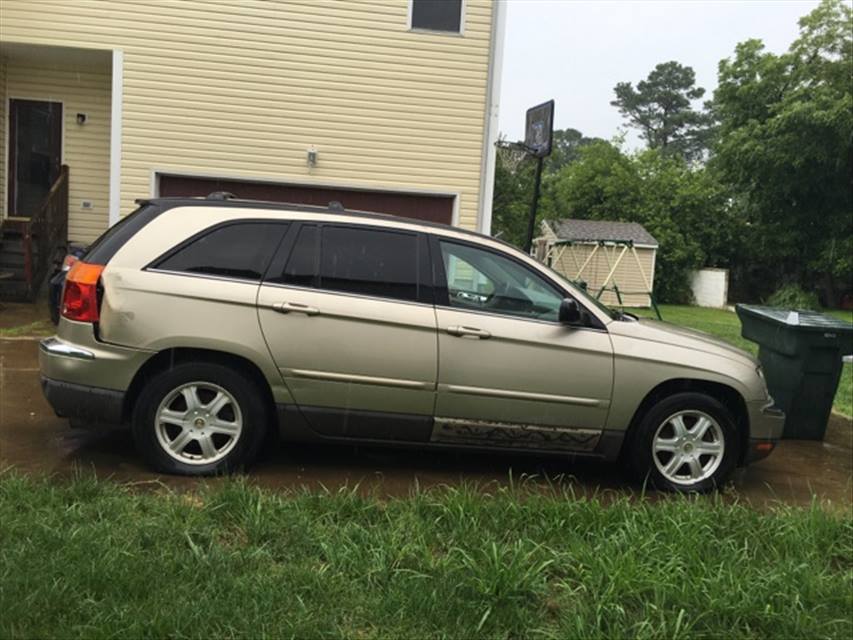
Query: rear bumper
(78,357)
(766,423)
(85,379)
(90,405)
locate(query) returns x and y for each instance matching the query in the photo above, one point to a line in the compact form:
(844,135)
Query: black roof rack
(221,195)
(170,202)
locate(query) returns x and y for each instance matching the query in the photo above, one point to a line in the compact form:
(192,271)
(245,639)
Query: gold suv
(209,324)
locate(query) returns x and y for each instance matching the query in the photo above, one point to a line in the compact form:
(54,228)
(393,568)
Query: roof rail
(220,195)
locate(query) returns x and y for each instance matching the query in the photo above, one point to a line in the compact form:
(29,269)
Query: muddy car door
(510,374)
(347,313)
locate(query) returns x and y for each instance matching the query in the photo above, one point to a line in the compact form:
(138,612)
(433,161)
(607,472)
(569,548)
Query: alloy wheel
(688,447)
(198,423)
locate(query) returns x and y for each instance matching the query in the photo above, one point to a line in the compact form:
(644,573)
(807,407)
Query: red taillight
(80,296)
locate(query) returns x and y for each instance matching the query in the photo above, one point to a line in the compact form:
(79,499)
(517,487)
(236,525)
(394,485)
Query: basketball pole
(534,205)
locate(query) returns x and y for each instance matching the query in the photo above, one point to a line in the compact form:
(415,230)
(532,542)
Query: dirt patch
(33,439)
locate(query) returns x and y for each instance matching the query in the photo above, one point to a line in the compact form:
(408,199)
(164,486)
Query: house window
(437,15)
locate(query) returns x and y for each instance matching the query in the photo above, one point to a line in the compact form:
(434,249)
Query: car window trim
(347,294)
(206,276)
(442,297)
(152,265)
(423,269)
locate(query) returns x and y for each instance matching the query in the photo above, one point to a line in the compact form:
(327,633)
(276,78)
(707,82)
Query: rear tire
(199,418)
(687,443)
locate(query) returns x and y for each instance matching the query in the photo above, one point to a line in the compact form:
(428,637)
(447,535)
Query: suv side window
(239,250)
(366,261)
(369,262)
(481,280)
(301,267)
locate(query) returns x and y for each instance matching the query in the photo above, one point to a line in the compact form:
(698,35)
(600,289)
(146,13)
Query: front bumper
(766,423)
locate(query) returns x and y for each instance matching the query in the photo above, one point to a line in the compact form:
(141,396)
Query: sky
(575,51)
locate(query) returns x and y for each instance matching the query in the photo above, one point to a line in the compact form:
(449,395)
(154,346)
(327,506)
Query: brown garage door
(409,205)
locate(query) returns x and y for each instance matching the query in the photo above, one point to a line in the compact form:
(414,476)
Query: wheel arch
(726,395)
(167,358)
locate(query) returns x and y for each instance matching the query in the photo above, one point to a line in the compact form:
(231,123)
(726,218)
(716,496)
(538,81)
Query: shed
(605,254)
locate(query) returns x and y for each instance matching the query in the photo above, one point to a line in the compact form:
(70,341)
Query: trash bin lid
(805,320)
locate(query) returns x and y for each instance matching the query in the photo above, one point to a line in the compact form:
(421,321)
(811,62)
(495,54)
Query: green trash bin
(801,354)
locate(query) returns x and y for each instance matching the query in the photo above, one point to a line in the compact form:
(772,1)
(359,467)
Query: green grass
(725,324)
(91,558)
(38,328)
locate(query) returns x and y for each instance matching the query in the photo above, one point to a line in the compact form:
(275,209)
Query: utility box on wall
(710,287)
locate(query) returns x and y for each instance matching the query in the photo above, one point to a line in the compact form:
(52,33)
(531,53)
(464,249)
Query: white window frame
(461,32)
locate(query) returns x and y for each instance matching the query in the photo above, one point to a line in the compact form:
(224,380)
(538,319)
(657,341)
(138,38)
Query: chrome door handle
(474,332)
(295,307)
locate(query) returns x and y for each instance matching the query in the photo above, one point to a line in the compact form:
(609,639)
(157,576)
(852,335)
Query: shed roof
(597,230)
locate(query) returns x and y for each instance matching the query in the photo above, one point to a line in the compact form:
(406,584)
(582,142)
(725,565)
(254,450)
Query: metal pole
(534,205)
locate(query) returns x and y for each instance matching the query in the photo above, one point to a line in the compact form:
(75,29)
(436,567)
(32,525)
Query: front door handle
(295,307)
(474,332)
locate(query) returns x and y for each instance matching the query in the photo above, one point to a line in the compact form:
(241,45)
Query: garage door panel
(408,205)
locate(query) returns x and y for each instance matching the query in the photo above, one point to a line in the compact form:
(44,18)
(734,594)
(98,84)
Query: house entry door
(35,153)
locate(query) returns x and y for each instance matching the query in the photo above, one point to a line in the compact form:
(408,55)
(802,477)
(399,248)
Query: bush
(791,296)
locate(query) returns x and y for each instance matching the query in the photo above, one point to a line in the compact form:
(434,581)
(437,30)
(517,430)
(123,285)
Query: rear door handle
(474,332)
(295,307)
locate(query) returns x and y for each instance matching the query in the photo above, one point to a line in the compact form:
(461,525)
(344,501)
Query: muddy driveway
(34,440)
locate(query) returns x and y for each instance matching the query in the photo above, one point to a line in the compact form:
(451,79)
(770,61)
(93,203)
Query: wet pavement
(34,440)
(13,314)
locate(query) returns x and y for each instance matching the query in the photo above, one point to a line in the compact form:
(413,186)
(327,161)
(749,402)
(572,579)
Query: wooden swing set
(614,252)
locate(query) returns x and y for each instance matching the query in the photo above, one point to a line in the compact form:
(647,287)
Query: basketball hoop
(512,155)
(538,136)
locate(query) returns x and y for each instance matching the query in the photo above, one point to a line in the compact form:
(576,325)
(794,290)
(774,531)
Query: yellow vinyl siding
(242,89)
(85,147)
(627,276)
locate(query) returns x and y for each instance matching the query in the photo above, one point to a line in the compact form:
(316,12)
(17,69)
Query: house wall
(3,129)
(242,89)
(85,147)
(627,276)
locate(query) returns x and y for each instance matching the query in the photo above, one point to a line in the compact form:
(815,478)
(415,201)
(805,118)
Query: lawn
(725,324)
(38,328)
(91,558)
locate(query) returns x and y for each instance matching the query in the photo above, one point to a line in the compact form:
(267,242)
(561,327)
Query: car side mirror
(570,312)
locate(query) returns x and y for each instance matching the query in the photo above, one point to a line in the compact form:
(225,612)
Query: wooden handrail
(47,230)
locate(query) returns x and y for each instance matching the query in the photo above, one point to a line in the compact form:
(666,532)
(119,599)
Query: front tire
(687,443)
(199,418)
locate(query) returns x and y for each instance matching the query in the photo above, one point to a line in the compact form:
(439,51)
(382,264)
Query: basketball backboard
(539,129)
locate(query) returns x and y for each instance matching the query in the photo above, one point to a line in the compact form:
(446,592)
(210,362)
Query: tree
(565,147)
(514,190)
(661,108)
(683,207)
(785,145)
(511,202)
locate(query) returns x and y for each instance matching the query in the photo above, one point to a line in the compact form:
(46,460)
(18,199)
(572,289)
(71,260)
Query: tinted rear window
(301,267)
(110,241)
(237,250)
(369,262)
(365,261)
